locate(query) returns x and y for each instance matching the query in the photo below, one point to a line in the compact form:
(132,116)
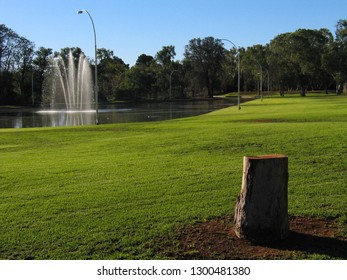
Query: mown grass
(106,192)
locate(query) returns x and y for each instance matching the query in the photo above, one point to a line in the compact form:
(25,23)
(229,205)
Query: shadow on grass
(311,244)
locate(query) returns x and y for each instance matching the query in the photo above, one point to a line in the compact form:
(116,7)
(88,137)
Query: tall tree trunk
(303,91)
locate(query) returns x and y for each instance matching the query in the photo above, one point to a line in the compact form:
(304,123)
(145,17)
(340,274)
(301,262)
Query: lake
(111,113)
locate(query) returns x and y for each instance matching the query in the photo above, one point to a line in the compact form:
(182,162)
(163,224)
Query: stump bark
(261,212)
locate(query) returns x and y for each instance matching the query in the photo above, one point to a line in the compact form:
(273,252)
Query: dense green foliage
(302,60)
(106,192)
(206,57)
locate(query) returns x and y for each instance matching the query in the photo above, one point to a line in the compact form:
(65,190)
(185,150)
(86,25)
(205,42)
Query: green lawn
(105,192)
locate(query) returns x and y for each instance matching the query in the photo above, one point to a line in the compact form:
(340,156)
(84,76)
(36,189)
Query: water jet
(68,84)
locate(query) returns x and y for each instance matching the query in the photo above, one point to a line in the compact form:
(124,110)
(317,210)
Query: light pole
(261,81)
(96,68)
(238,73)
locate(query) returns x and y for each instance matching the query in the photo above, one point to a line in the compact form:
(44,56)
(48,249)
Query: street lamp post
(238,73)
(261,80)
(96,68)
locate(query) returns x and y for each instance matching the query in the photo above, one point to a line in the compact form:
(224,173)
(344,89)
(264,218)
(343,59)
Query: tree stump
(261,212)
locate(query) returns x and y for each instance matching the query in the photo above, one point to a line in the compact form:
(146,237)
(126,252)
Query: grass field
(106,192)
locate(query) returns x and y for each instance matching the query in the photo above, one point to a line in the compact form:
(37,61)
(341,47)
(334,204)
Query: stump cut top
(273,156)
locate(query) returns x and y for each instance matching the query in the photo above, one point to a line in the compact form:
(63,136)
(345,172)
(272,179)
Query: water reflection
(66,118)
(115,113)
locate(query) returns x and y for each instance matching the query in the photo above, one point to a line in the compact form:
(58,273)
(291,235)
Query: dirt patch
(215,239)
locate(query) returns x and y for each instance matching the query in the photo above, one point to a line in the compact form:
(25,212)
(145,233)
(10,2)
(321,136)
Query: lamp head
(80,12)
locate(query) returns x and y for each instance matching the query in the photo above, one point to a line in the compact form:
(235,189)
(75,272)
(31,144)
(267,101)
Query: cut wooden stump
(261,212)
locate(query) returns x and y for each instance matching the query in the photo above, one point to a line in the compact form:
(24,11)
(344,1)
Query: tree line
(306,59)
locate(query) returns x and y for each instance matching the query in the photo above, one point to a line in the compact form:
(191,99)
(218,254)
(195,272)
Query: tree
(65,52)
(229,71)
(141,79)
(111,72)
(254,66)
(281,68)
(167,67)
(166,56)
(144,60)
(7,47)
(23,60)
(16,54)
(206,57)
(340,48)
(341,31)
(40,63)
(297,57)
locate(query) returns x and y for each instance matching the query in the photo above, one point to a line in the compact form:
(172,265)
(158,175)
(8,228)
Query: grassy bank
(105,192)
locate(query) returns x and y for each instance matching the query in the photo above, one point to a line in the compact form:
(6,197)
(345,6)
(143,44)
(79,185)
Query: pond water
(115,113)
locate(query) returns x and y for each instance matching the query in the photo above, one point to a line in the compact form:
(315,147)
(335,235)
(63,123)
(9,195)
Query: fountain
(68,91)
(68,84)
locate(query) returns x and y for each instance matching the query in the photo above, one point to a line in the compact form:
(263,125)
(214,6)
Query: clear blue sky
(133,27)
